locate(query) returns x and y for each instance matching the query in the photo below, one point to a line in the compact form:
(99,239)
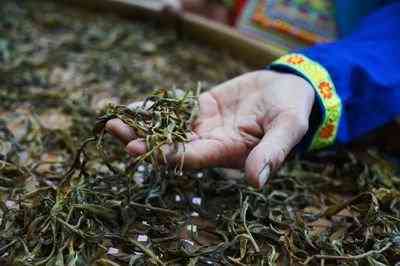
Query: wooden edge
(254,52)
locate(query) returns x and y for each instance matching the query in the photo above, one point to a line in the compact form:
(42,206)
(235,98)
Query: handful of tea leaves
(165,117)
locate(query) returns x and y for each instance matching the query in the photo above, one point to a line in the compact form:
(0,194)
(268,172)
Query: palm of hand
(251,121)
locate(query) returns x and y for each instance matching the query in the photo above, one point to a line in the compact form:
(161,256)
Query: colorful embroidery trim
(323,85)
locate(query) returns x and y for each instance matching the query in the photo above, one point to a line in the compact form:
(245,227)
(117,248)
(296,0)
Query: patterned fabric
(325,89)
(290,24)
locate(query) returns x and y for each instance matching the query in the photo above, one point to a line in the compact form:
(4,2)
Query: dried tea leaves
(164,118)
(66,204)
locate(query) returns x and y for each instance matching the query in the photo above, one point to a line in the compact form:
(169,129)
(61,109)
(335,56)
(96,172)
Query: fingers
(281,135)
(136,147)
(120,130)
(197,154)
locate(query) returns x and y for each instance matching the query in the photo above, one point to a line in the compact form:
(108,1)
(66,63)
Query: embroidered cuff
(329,100)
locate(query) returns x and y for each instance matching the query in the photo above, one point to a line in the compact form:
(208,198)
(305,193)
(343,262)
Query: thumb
(281,135)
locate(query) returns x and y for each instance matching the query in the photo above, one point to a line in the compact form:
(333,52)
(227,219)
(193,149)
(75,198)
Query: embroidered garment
(362,90)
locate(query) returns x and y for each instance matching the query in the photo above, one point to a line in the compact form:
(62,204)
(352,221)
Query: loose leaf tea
(70,195)
(167,121)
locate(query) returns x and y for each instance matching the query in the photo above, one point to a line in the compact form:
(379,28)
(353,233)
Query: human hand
(251,122)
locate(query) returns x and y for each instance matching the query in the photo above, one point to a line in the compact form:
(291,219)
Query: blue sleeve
(365,68)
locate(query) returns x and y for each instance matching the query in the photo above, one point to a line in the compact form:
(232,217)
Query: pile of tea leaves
(70,195)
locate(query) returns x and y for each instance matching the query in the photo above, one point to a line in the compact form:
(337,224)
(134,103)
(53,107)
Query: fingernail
(264,175)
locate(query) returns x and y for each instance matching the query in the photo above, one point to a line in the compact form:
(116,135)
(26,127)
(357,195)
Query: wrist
(299,83)
(328,103)
(295,83)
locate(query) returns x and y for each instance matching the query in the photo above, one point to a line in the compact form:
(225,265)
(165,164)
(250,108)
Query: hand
(252,121)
